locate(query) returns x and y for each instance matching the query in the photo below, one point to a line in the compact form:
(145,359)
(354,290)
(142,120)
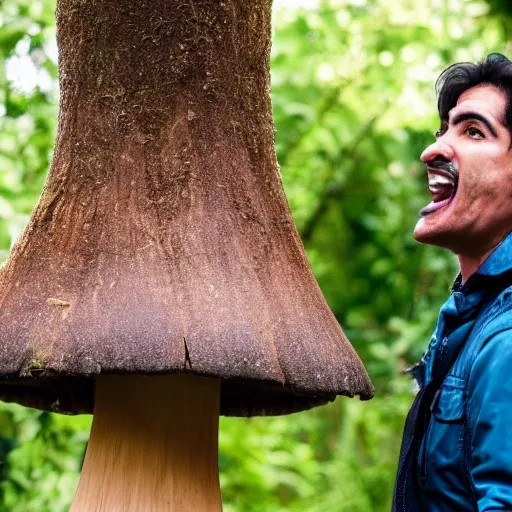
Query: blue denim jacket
(464,459)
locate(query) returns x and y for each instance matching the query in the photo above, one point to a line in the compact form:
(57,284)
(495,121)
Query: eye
(474,133)
(441,130)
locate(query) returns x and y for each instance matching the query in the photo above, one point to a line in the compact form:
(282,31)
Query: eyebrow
(474,116)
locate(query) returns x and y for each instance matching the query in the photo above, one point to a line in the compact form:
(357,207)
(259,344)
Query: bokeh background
(354,105)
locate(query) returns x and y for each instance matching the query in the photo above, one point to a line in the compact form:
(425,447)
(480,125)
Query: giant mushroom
(161,280)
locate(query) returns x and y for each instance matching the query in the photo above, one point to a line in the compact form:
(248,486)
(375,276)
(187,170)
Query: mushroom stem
(153,446)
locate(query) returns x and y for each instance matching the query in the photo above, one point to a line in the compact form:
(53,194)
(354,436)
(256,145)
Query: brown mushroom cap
(162,242)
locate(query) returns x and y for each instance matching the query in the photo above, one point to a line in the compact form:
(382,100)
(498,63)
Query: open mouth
(442,184)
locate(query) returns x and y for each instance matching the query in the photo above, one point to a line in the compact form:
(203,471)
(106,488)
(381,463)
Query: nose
(439,150)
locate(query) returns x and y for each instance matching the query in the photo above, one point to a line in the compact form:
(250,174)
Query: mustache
(449,167)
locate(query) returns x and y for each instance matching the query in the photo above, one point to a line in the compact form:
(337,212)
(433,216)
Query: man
(457,447)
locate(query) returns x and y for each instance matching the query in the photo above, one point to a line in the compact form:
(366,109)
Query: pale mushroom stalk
(153,446)
(163,244)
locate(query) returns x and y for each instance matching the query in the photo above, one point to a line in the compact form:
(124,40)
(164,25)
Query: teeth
(436,189)
(440,185)
(440,180)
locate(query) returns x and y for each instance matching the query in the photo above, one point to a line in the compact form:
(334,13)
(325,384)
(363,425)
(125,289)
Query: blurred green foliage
(354,105)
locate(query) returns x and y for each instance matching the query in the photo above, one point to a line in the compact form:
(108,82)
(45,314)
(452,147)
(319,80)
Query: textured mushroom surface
(163,242)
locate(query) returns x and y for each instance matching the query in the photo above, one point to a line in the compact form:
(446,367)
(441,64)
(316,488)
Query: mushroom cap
(233,301)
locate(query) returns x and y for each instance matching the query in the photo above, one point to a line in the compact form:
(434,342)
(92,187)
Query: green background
(354,105)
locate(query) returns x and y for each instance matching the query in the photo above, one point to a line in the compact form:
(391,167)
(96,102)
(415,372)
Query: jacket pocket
(449,404)
(441,454)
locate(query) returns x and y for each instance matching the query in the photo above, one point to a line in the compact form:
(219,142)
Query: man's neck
(470,264)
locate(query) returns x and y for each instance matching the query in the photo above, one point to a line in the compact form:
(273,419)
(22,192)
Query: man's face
(472,212)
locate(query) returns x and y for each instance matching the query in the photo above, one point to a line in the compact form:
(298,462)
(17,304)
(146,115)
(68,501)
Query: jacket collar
(498,263)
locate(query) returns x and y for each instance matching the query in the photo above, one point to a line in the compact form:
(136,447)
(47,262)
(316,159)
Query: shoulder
(487,354)
(491,359)
(497,349)
(494,322)
(491,371)
(502,303)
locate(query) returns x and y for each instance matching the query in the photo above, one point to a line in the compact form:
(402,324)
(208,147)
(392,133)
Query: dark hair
(495,70)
